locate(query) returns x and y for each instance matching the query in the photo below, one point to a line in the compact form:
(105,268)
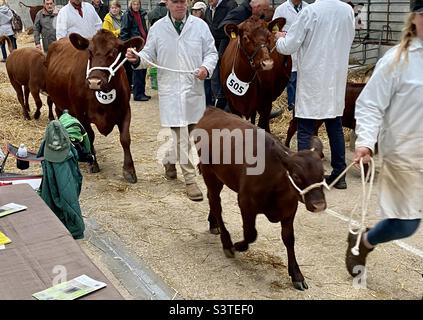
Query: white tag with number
(236,86)
(106,97)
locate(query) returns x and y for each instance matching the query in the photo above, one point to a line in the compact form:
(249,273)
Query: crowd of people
(318,36)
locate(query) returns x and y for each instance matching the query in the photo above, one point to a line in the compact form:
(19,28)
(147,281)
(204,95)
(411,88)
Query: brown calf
(269,191)
(25,68)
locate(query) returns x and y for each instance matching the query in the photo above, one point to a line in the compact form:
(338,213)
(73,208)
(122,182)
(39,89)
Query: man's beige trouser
(180,152)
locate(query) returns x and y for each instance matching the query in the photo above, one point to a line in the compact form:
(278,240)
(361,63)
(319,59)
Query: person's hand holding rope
(364,153)
(131,56)
(201,73)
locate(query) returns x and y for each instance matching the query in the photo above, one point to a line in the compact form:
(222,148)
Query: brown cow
(252,57)
(265,188)
(348,120)
(72,88)
(25,68)
(33,10)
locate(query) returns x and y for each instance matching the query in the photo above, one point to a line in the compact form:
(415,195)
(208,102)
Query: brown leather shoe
(351,260)
(170,171)
(193,192)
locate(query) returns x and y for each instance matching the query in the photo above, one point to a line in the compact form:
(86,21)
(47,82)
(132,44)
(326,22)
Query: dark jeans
(216,87)
(306,128)
(129,71)
(208,91)
(291,88)
(392,229)
(138,81)
(3,46)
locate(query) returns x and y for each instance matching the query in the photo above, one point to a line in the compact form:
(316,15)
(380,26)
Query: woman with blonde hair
(112,20)
(390,111)
(6,15)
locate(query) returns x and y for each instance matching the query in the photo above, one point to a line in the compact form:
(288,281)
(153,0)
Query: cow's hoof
(27,117)
(94,168)
(241,246)
(300,285)
(37,115)
(130,177)
(215,230)
(229,253)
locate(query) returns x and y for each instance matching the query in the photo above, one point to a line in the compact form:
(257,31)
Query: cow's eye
(245,39)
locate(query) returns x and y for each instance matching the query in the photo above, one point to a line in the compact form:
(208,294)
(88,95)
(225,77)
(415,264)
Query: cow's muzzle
(94,83)
(267,64)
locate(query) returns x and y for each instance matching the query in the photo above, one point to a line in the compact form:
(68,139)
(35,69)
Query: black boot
(341,184)
(350,259)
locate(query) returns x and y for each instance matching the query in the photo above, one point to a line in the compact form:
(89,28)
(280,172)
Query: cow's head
(255,40)
(103,50)
(305,168)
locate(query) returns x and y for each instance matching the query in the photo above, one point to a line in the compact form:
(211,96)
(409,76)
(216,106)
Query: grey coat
(5,21)
(45,25)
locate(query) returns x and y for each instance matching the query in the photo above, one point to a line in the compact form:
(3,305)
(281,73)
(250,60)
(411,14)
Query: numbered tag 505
(236,86)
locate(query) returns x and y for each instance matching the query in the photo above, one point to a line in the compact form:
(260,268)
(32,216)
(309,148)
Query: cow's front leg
(264,119)
(248,213)
(125,140)
(293,268)
(94,168)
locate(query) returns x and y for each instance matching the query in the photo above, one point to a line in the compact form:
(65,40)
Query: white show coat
(181,95)
(286,10)
(69,20)
(390,110)
(322,34)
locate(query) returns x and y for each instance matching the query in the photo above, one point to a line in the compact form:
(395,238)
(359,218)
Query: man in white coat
(184,42)
(322,36)
(289,10)
(79,17)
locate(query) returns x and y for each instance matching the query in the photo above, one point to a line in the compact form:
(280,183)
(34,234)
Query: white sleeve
(373,102)
(61,24)
(98,24)
(295,35)
(210,55)
(149,51)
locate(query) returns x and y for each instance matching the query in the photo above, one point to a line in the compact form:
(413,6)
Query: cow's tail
(23,4)
(6,39)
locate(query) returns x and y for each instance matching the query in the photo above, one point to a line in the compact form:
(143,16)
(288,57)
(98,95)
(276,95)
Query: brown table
(40,246)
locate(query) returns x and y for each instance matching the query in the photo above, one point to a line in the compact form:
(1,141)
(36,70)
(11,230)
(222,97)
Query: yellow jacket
(108,25)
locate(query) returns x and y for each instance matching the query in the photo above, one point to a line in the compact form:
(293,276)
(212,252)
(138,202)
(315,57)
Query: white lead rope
(113,67)
(365,199)
(195,72)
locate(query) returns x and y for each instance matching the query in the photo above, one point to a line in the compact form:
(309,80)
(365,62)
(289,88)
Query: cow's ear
(317,146)
(276,25)
(231,30)
(78,41)
(135,42)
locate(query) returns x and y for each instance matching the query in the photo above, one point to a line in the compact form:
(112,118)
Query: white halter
(111,69)
(310,187)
